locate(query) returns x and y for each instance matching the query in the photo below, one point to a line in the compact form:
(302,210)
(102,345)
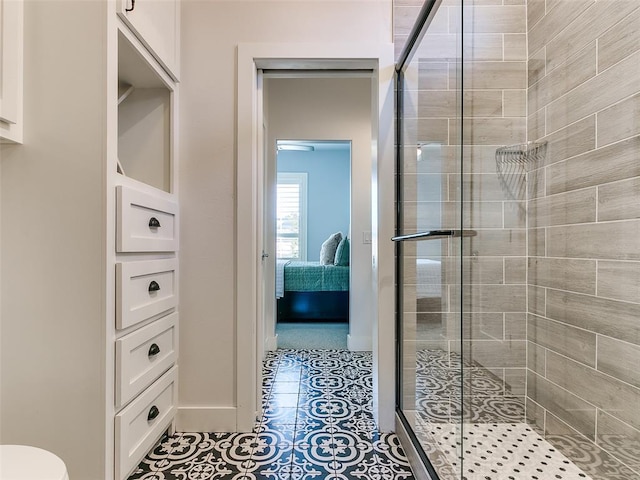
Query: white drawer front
(142,356)
(145,223)
(145,289)
(136,431)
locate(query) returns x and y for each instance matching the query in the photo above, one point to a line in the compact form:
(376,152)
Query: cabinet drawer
(142,356)
(145,289)
(145,223)
(142,422)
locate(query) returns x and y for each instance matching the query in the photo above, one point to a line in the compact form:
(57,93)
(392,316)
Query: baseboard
(359,344)
(206,419)
(271,343)
(417,466)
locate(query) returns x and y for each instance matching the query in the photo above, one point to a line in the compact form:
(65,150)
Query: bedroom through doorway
(312,230)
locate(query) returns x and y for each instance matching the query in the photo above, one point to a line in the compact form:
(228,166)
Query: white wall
(334,109)
(52,322)
(210,36)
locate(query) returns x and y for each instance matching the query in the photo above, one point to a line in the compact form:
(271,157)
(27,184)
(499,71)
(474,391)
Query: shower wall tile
(483,103)
(537,300)
(515,270)
(484,47)
(433,76)
(496,354)
(490,19)
(608,164)
(596,94)
(492,298)
(536,125)
(622,40)
(563,274)
(537,244)
(566,77)
(515,46)
(599,315)
(494,75)
(505,242)
(535,11)
(564,339)
(536,65)
(515,326)
(563,209)
(608,394)
(490,131)
(619,280)
(536,183)
(536,356)
(476,270)
(515,215)
(620,439)
(601,17)
(561,402)
(555,20)
(404,17)
(515,103)
(619,121)
(619,359)
(607,241)
(577,138)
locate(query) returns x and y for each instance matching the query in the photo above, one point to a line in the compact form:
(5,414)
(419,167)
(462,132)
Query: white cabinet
(157,24)
(144,355)
(11,70)
(145,289)
(139,425)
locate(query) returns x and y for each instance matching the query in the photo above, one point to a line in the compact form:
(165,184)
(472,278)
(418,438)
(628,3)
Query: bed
(311,291)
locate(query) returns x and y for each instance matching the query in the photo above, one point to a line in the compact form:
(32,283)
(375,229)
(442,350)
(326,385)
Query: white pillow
(328,250)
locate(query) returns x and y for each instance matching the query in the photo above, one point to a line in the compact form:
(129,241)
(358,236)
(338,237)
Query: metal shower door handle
(434,235)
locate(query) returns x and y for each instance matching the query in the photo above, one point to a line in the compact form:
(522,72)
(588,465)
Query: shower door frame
(414,450)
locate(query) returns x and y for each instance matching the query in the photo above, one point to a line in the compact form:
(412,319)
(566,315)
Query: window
(291,216)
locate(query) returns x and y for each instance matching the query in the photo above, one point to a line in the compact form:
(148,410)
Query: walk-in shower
(518,239)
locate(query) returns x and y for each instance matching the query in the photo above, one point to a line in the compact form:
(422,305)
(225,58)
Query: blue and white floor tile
(317,424)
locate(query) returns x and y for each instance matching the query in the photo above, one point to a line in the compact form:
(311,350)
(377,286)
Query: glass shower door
(430,238)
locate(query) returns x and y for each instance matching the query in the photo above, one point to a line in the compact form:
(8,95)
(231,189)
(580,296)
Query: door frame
(252,58)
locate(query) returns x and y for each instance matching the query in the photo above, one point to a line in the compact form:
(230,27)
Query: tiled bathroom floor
(317,424)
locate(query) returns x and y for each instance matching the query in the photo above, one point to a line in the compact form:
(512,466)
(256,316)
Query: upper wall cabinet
(156,23)
(11,59)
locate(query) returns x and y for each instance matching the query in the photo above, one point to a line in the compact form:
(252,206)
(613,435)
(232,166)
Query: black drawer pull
(133,6)
(154,349)
(154,222)
(153,413)
(153,286)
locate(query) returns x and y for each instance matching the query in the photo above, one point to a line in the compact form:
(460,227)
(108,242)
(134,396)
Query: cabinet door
(11,40)
(156,23)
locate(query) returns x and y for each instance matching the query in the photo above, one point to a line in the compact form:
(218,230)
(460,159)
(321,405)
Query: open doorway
(313,218)
(317,136)
(372,164)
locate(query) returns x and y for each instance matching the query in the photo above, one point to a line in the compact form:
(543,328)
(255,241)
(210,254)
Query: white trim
(206,419)
(359,343)
(271,343)
(249,321)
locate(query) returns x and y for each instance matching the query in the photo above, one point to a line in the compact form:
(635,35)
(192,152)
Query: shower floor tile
(509,451)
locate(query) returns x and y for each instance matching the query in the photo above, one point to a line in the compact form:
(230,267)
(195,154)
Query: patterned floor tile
(317,423)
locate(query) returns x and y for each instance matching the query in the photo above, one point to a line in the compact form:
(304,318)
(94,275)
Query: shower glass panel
(518,257)
(429,242)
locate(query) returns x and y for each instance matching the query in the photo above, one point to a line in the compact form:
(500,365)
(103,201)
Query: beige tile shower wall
(494,105)
(583,328)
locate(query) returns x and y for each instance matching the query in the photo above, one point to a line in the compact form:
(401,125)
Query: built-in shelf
(145,99)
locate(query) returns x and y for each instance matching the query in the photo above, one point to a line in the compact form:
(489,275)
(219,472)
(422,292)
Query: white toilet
(19,462)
